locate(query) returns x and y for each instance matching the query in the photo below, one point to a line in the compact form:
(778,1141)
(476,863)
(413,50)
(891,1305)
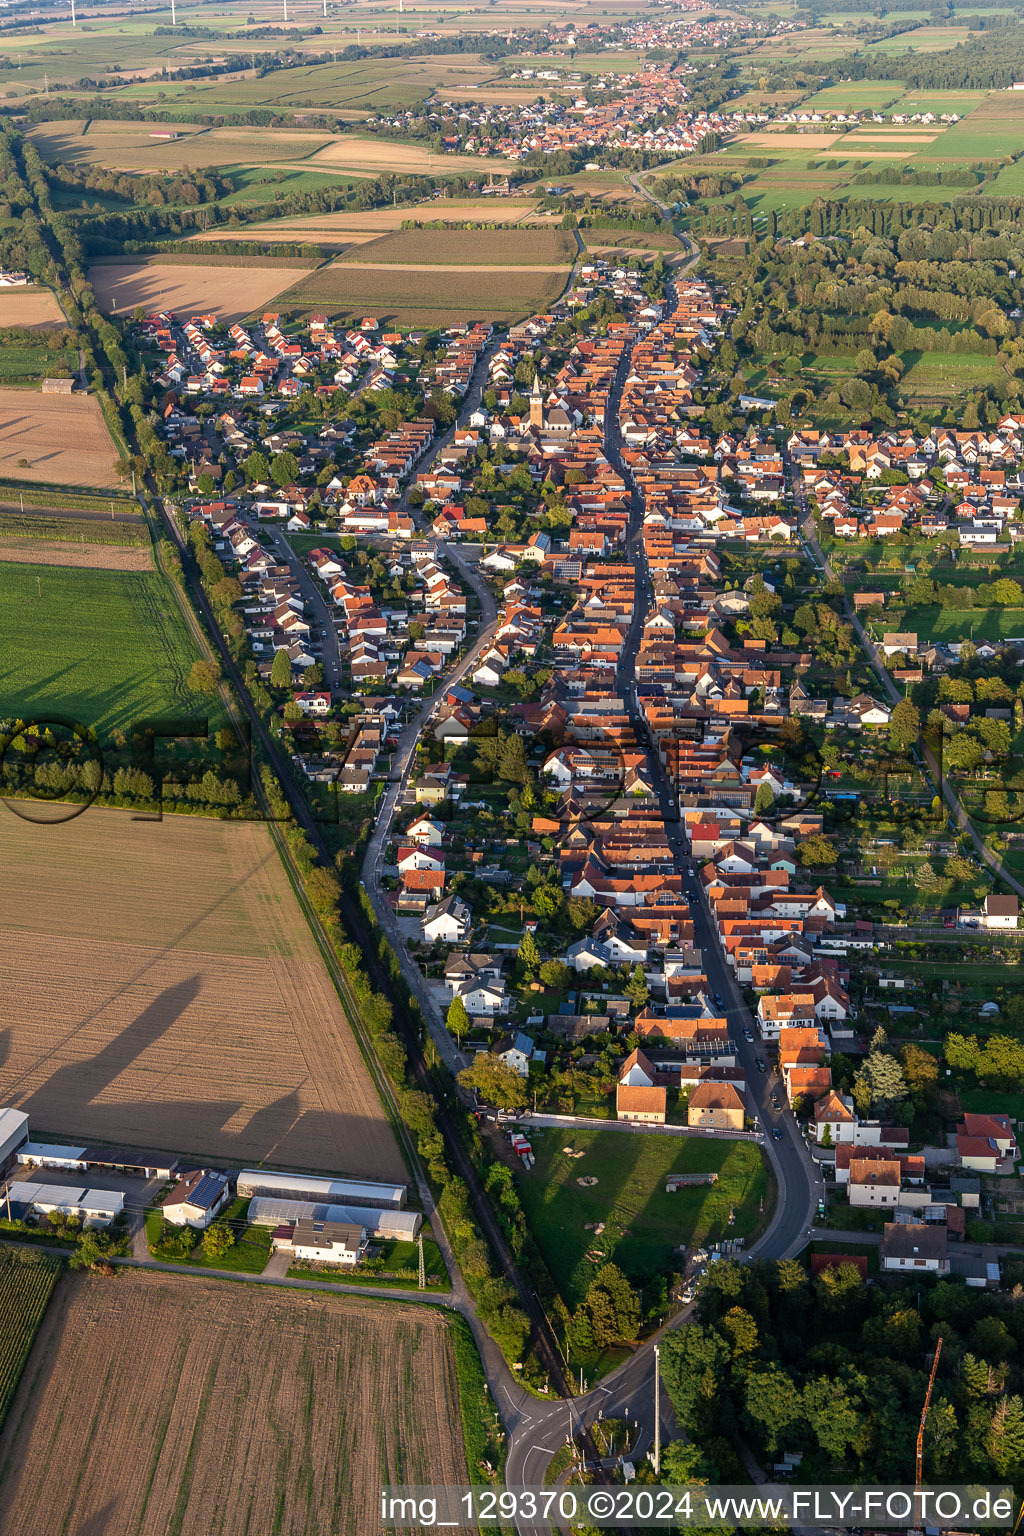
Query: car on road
(760,1064)
(776,1133)
(775,1101)
(748,1034)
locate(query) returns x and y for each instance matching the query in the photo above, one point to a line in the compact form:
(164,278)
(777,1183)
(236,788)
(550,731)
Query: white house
(330,1242)
(918,1246)
(1000,911)
(517,1051)
(427,832)
(448,920)
(196,1200)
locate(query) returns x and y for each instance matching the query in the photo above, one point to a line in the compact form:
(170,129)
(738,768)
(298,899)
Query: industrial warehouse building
(95,1207)
(13,1136)
(305,1186)
(402,1225)
(139,1165)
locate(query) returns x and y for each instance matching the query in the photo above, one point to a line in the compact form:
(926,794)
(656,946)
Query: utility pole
(174,16)
(74,18)
(423,1271)
(657,1412)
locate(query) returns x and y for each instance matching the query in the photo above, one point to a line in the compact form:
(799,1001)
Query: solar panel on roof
(207,1192)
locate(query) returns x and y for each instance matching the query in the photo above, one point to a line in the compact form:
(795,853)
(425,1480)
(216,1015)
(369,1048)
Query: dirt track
(159,987)
(157,1404)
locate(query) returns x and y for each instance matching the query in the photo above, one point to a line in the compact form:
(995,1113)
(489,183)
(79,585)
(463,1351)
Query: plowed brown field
(158,1403)
(159,987)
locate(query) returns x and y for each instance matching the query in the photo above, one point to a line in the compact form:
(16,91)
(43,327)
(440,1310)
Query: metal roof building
(266,1211)
(306,1186)
(13,1134)
(96,1207)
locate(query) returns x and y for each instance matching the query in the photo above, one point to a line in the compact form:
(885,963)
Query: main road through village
(538,1426)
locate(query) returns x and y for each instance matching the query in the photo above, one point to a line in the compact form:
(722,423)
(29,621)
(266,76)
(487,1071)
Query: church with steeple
(536,404)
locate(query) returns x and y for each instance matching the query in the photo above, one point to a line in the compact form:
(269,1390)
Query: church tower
(536,404)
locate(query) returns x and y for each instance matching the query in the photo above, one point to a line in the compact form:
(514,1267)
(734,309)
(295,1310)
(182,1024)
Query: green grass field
(934,623)
(28,365)
(644,1225)
(104,647)
(854,96)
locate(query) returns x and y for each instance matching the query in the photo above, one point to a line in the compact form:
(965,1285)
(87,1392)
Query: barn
(305,1186)
(402,1226)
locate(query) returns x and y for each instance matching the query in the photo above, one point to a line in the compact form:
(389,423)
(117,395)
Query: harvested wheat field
(417,249)
(81,556)
(132,147)
(34,308)
(357,228)
(230,291)
(159,987)
(63,440)
(350,152)
(780,139)
(161,1403)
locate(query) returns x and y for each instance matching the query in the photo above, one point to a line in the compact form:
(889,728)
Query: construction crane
(924,1414)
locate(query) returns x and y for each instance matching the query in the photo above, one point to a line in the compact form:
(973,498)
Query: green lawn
(29,364)
(854,96)
(644,1225)
(935,623)
(248,1255)
(991,1101)
(106,648)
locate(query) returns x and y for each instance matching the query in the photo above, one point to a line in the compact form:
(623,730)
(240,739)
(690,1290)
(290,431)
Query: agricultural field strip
(80,556)
(230,289)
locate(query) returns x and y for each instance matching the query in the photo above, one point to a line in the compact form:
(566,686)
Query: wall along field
(159,987)
(161,1403)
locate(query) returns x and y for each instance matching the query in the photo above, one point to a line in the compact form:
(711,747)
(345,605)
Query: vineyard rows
(27,1277)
